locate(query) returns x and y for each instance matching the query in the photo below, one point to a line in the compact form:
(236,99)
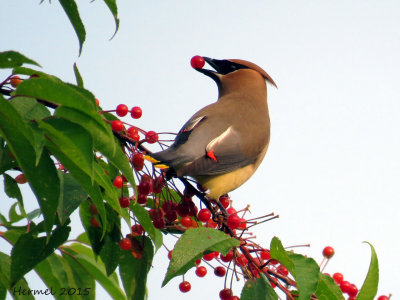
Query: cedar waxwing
(222,145)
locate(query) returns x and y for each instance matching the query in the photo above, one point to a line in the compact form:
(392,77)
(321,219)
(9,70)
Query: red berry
(225,294)
(211,224)
(242,260)
(234,298)
(125,244)
(93,209)
(220,271)
(197,62)
(231,211)
(204,215)
(273,262)
(282,270)
(118,182)
(265,255)
(117,125)
(158,184)
(197,261)
(94,223)
(133,133)
(20,179)
(171,215)
(345,286)
(185,286)
(209,256)
(353,290)
(136,112)
(233,221)
(122,110)
(328,252)
(137,229)
(124,202)
(183,209)
(97,101)
(156,213)
(338,277)
(242,224)
(383,297)
(224,201)
(138,161)
(228,257)
(186,221)
(151,137)
(159,223)
(146,185)
(142,199)
(201,271)
(15,80)
(169,255)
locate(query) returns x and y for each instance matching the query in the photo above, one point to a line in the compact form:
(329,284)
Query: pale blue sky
(333,169)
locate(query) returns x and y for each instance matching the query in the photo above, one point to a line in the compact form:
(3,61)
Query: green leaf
(33,214)
(57,275)
(133,271)
(144,219)
(258,289)
(17,291)
(11,59)
(83,279)
(112,5)
(74,141)
(104,140)
(370,286)
(31,110)
(12,189)
(95,235)
(111,193)
(57,92)
(84,180)
(30,72)
(84,256)
(42,176)
(13,119)
(7,162)
(191,246)
(327,289)
(71,9)
(78,77)
(13,235)
(110,254)
(22,261)
(110,251)
(13,215)
(72,194)
(305,270)
(83,238)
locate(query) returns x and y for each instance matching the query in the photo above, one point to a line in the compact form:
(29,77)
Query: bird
(222,144)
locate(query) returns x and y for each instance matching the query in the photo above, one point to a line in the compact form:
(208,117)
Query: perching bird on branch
(222,145)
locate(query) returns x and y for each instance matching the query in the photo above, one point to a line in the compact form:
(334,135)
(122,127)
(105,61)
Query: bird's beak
(211,73)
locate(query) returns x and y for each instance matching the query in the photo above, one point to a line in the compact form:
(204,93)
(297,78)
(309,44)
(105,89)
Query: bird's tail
(155,162)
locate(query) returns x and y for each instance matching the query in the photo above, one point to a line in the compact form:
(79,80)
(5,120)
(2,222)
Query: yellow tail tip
(151,159)
(161,166)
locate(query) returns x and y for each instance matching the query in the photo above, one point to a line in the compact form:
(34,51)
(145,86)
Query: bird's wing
(221,155)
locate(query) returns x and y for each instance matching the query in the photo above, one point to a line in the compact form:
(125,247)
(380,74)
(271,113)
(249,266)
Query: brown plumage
(223,144)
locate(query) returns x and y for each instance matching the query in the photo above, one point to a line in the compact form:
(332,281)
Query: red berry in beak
(197,62)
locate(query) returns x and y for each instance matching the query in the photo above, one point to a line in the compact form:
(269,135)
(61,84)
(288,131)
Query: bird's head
(231,71)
